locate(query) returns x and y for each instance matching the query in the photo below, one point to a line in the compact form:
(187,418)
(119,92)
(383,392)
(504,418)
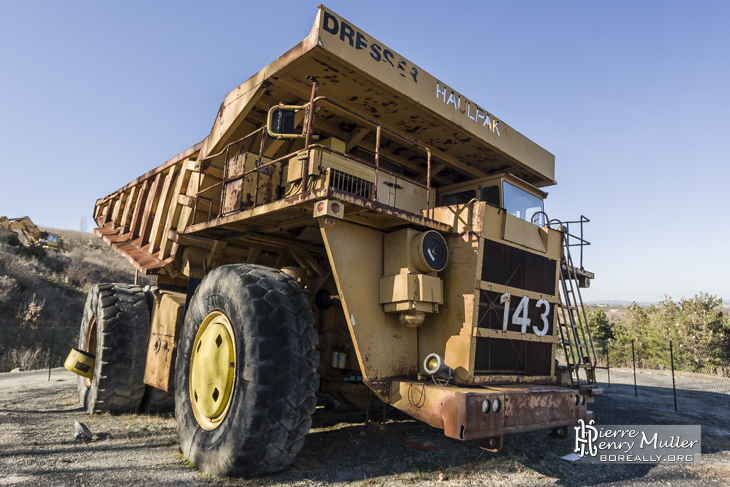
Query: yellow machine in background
(31,233)
(351,225)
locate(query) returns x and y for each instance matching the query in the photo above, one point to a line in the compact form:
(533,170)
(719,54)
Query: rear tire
(156,401)
(254,421)
(115,327)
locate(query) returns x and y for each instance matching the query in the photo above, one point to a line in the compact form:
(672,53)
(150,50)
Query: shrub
(32,250)
(27,358)
(30,313)
(12,240)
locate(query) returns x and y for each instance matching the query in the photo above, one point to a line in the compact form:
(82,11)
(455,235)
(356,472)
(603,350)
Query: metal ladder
(580,353)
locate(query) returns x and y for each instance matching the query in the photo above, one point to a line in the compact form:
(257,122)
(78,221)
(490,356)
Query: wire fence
(35,348)
(689,381)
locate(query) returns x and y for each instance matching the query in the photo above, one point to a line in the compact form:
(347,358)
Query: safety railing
(572,240)
(307,135)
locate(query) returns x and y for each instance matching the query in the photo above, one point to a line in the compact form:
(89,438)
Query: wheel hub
(212,370)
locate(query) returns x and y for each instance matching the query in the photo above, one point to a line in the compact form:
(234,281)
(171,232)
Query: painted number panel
(520,317)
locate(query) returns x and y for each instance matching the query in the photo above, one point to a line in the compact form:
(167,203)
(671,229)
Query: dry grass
(24,358)
(29,314)
(50,291)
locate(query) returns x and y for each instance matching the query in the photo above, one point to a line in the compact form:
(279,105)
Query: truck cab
(517,197)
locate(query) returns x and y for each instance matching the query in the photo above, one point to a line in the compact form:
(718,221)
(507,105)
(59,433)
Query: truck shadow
(414,451)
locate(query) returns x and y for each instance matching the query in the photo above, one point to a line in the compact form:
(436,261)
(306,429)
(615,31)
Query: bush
(26,358)
(698,328)
(32,250)
(12,240)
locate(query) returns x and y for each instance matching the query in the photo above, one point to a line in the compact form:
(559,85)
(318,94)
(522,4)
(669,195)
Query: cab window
(490,194)
(522,204)
(459,198)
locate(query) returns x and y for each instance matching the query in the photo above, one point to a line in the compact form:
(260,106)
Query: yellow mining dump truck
(351,225)
(31,233)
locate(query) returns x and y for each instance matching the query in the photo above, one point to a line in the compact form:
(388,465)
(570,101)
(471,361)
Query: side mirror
(281,122)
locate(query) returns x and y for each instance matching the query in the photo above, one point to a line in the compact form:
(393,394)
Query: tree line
(698,328)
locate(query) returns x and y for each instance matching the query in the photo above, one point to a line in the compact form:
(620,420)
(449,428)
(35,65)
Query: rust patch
(479,413)
(311,196)
(381,388)
(162,349)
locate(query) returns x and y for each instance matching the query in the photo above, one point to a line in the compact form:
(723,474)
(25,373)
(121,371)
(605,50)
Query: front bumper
(463,412)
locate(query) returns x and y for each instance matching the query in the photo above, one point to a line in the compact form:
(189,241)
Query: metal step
(574,332)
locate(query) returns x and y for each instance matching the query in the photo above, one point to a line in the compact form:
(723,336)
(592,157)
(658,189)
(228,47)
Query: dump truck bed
(144,219)
(372,78)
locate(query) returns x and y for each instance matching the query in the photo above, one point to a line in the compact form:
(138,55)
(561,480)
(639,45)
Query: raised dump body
(411,219)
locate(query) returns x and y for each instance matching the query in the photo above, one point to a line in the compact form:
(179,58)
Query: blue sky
(633,98)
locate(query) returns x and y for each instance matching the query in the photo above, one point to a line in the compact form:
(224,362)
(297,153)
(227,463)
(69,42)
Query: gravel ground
(37,445)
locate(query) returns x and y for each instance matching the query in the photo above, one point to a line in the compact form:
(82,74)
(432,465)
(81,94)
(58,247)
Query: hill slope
(50,291)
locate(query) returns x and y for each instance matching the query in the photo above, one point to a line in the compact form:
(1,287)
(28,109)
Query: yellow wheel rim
(212,370)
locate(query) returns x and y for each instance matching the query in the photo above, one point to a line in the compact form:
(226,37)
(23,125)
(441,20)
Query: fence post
(50,353)
(608,366)
(633,358)
(674,387)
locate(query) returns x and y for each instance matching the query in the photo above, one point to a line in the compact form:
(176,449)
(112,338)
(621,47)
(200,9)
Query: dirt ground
(37,445)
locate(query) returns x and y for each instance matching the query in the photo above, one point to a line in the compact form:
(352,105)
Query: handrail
(379,129)
(307,134)
(564,226)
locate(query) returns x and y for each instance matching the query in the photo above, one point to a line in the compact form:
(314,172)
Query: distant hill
(618,302)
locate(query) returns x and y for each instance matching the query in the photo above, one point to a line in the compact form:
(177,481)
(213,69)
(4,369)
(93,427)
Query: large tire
(265,319)
(156,401)
(115,327)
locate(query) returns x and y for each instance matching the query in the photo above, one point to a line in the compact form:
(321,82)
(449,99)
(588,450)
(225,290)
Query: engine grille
(508,266)
(350,184)
(512,357)
(517,268)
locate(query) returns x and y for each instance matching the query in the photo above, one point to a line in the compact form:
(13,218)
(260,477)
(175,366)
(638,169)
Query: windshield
(522,204)
(490,194)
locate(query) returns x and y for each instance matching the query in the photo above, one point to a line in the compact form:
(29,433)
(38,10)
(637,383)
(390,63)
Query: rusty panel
(118,208)
(420,401)
(162,350)
(175,207)
(240,194)
(268,178)
(395,71)
(141,260)
(139,209)
(473,421)
(129,209)
(233,191)
(377,214)
(187,201)
(161,214)
(535,406)
(461,413)
(150,209)
(493,229)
